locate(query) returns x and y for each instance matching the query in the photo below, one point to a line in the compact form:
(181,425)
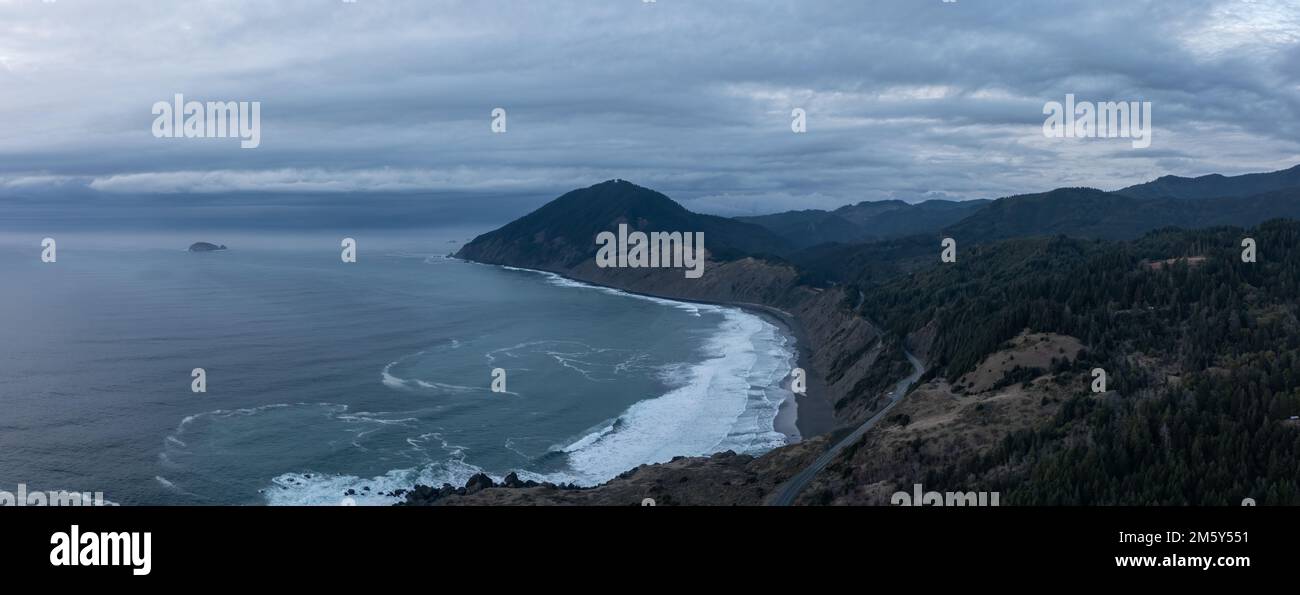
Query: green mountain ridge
(1091,213)
(1204,201)
(1215,185)
(865,221)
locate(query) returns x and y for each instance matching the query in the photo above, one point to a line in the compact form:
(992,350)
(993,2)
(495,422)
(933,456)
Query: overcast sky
(908,99)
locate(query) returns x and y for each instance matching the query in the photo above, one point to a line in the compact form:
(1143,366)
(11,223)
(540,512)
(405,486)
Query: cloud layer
(907,99)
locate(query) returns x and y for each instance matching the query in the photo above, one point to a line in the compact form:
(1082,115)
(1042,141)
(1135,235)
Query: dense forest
(1201,350)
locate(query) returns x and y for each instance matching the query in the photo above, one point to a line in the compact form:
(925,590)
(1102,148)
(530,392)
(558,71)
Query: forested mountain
(865,221)
(1089,213)
(1077,212)
(922,217)
(866,264)
(1073,212)
(1215,185)
(808,228)
(1201,350)
(562,233)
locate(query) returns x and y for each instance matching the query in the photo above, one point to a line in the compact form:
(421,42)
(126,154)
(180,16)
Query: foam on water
(316,489)
(728,402)
(394,381)
(324,489)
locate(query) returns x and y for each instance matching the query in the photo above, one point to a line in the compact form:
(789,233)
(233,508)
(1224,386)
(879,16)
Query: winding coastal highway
(787,493)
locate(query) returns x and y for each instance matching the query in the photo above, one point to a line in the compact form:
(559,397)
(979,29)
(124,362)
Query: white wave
(571,357)
(325,489)
(633,363)
(173,439)
(727,402)
(172,487)
(510,446)
(372,422)
(368,417)
(391,380)
(449,388)
(589,438)
(166,484)
(318,489)
(561,281)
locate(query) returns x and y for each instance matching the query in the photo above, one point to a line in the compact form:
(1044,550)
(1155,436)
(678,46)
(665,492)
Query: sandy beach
(811,415)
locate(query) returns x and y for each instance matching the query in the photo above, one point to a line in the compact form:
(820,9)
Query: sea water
(325,378)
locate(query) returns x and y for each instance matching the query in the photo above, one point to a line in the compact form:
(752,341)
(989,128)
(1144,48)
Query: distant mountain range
(1089,213)
(871,241)
(865,221)
(1077,212)
(561,233)
(1215,185)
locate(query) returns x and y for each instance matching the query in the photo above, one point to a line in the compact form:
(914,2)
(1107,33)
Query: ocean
(324,377)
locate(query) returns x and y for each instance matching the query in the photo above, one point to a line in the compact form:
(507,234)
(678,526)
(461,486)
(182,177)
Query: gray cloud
(905,99)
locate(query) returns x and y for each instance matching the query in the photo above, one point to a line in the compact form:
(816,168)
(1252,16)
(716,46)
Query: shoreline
(809,415)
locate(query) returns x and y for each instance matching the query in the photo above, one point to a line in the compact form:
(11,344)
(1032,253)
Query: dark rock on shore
(478,482)
(726,479)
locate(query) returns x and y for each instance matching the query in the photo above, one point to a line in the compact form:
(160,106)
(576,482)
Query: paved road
(791,489)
